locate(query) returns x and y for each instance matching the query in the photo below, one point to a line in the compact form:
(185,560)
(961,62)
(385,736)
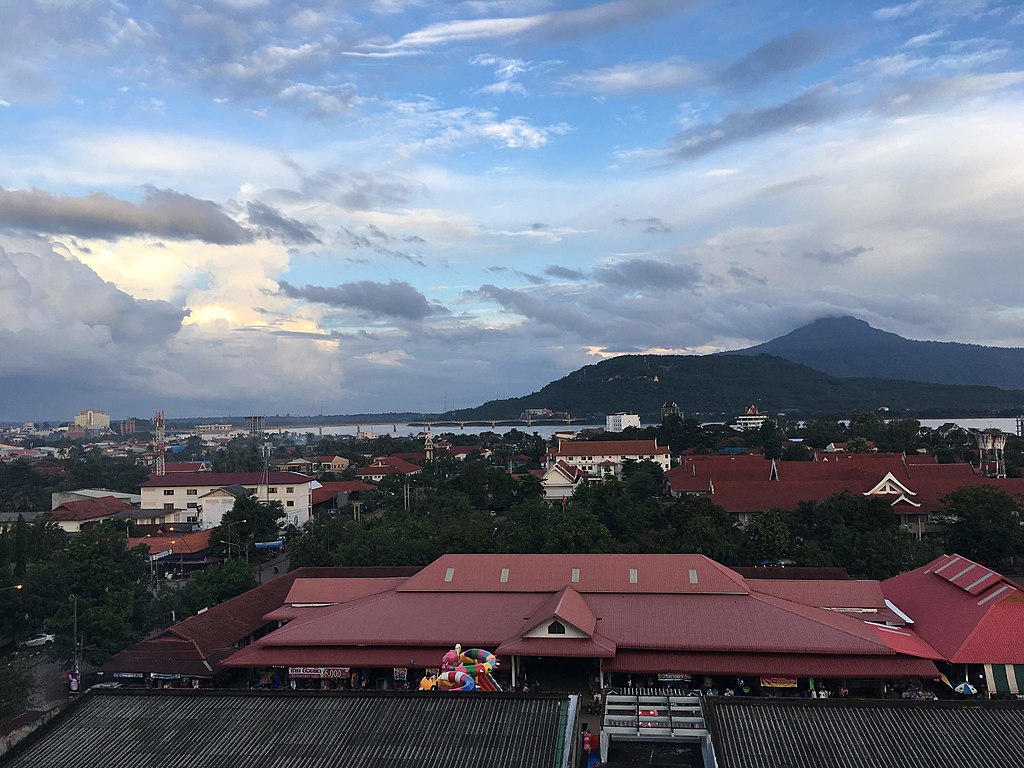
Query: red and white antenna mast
(161,444)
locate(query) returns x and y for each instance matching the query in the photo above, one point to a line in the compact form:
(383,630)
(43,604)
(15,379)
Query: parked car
(37,641)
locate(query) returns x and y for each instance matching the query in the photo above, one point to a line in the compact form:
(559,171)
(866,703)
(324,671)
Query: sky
(362,206)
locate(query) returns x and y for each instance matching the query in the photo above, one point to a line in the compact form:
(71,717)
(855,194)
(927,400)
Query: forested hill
(846,346)
(723,385)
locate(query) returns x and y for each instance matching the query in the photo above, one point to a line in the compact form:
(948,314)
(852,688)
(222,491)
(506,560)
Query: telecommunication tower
(161,443)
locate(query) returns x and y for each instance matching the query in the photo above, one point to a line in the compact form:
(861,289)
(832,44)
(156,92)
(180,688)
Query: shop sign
(330,673)
(778,682)
(401,674)
(672,677)
(128,675)
(164,676)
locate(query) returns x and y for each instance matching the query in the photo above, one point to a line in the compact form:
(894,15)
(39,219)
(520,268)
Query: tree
(982,523)
(15,683)
(216,584)
(859,445)
(249,520)
(766,538)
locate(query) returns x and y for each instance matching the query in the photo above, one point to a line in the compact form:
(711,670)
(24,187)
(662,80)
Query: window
(291,503)
(192,492)
(168,491)
(556,628)
(193,519)
(192,505)
(289,489)
(271,489)
(169,505)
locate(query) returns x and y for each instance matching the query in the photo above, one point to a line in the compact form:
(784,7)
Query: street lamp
(228,542)
(16,586)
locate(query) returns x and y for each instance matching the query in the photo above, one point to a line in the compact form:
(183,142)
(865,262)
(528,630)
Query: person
(597,699)
(587,739)
(276,570)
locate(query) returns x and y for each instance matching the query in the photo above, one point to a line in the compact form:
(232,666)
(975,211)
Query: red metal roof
(568,647)
(331,489)
(823,593)
(790,665)
(334,591)
(90,509)
(568,606)
(218,479)
(904,640)
(610,448)
(187,543)
(678,574)
(748,484)
(963,624)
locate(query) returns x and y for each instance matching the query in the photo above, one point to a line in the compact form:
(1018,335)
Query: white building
(186,494)
(751,419)
(604,458)
(92,420)
(616,422)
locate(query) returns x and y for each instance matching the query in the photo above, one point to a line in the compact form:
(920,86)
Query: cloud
(638,77)
(891,12)
(546,26)
(814,106)
(649,275)
(162,213)
(564,273)
(274,223)
(784,54)
(393,299)
(651,225)
(837,257)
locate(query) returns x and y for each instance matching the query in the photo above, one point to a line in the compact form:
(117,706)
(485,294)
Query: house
(78,516)
(181,493)
(561,481)
(604,458)
(330,464)
(335,494)
(386,466)
(60,497)
(178,554)
(189,466)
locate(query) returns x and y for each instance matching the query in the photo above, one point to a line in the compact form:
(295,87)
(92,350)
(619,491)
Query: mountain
(723,385)
(846,346)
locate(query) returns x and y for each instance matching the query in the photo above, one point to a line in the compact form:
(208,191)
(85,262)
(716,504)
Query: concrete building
(92,421)
(617,422)
(604,458)
(184,493)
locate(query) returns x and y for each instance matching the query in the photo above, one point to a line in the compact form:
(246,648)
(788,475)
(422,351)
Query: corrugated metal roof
(967,623)
(789,664)
(846,733)
(120,729)
(610,448)
(597,573)
(207,479)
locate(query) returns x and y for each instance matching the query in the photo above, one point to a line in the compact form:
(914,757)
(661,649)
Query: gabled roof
(90,509)
(610,448)
(177,479)
(567,606)
(671,574)
(971,614)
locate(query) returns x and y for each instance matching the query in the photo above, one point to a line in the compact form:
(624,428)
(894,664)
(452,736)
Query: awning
(771,664)
(1005,678)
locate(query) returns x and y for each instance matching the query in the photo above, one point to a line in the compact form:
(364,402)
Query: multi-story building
(616,422)
(604,458)
(91,420)
(183,494)
(751,419)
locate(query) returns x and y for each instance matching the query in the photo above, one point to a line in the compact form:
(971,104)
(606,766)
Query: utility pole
(75,598)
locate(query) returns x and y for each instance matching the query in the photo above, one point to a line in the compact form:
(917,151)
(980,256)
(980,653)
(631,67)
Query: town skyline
(363,207)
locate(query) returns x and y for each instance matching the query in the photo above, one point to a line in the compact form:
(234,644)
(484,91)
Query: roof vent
(575,575)
(504,576)
(693,575)
(449,575)
(632,576)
